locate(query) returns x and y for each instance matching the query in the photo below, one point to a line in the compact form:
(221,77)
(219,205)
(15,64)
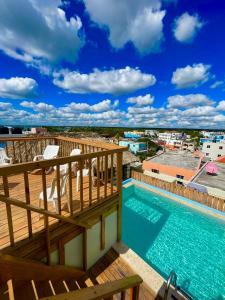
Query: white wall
(74,248)
(212,150)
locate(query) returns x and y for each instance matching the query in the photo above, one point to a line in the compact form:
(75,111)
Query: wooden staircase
(23,279)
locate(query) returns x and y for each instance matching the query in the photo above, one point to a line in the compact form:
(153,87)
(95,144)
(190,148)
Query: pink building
(39,130)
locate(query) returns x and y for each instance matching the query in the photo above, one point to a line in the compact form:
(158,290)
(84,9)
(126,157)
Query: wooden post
(8,211)
(46,224)
(27,195)
(58,184)
(119,190)
(70,204)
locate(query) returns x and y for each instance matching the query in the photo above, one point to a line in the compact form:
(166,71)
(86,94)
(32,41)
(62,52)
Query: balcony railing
(90,178)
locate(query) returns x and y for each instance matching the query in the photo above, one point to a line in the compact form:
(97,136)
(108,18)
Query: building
(38,130)
(212,137)
(213,150)
(167,136)
(214,183)
(172,166)
(151,133)
(133,134)
(134,147)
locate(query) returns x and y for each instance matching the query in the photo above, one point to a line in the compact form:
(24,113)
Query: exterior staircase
(23,279)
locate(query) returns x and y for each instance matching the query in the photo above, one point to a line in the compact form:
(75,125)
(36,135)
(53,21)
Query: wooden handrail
(102,291)
(98,144)
(25,269)
(24,138)
(44,212)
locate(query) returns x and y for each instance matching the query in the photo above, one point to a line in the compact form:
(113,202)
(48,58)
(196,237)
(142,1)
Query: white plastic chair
(4,159)
(74,152)
(52,194)
(51,151)
(85,172)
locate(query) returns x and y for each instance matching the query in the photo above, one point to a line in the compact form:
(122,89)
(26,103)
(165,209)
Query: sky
(145,63)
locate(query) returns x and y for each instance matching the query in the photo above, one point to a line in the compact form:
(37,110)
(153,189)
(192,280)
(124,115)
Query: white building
(167,136)
(213,150)
(151,132)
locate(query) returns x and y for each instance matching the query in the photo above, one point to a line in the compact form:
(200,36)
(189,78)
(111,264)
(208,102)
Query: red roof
(221,159)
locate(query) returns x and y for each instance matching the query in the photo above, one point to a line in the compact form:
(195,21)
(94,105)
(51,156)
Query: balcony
(23,214)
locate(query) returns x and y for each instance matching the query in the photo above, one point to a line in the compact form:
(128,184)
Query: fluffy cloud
(191,76)
(221,105)
(40,107)
(182,101)
(56,38)
(141,100)
(186,27)
(108,113)
(98,107)
(110,82)
(140,22)
(17,87)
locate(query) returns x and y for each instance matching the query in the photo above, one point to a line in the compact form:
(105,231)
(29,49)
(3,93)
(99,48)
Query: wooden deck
(109,268)
(19,215)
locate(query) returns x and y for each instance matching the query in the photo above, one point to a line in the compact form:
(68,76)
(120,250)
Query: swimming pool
(171,236)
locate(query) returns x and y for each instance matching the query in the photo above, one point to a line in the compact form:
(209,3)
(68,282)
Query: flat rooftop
(214,181)
(177,159)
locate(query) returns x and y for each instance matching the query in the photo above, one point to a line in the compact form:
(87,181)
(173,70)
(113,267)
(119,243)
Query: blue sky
(146,63)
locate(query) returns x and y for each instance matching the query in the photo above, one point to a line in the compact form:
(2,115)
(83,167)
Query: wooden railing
(25,148)
(105,291)
(180,190)
(17,273)
(100,179)
(12,268)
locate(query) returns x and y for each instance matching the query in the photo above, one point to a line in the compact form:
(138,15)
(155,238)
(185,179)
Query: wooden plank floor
(19,215)
(112,267)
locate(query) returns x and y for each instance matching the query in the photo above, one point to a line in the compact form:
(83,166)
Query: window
(208,146)
(155,171)
(207,154)
(218,155)
(220,147)
(180,176)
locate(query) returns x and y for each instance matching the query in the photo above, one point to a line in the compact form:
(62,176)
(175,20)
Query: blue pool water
(171,236)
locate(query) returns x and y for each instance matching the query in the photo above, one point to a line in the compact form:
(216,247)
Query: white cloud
(5,105)
(191,76)
(40,107)
(186,27)
(200,111)
(37,32)
(110,82)
(216,84)
(108,113)
(98,107)
(221,105)
(182,101)
(141,100)
(140,22)
(17,87)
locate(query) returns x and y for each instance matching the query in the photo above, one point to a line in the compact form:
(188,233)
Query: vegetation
(153,148)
